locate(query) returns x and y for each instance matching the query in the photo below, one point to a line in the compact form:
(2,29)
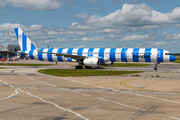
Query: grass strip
(21,64)
(178,59)
(127,65)
(75,73)
(124,65)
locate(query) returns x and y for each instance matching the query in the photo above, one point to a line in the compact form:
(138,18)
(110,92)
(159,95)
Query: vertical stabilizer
(24,42)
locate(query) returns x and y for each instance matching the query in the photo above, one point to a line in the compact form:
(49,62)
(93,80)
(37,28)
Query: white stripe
(54,57)
(20,38)
(129,54)
(28,44)
(95,52)
(141,52)
(128,106)
(44,55)
(118,54)
(75,50)
(166,58)
(106,54)
(103,99)
(153,55)
(174,118)
(64,52)
(35,55)
(85,51)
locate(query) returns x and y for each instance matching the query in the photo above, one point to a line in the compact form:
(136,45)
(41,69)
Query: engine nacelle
(107,63)
(91,62)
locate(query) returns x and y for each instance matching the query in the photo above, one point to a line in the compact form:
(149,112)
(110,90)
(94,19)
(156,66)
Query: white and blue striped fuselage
(105,54)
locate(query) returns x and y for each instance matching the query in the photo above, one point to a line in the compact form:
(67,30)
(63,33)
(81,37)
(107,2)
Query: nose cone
(172,58)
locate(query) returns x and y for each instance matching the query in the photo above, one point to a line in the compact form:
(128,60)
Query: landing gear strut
(156,65)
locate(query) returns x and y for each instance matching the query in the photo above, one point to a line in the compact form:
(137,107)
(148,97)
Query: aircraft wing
(76,57)
(17,52)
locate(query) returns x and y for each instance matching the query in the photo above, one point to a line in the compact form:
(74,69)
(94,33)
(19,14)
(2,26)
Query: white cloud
(94,8)
(92,1)
(81,46)
(33,4)
(173,36)
(36,27)
(135,38)
(81,16)
(133,15)
(8,27)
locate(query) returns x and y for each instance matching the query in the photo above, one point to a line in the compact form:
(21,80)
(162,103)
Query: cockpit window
(167,53)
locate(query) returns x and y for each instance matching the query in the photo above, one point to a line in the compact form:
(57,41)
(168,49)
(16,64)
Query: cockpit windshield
(167,53)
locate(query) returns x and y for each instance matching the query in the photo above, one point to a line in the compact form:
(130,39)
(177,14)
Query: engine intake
(91,62)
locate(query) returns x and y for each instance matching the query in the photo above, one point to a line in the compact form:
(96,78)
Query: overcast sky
(93,23)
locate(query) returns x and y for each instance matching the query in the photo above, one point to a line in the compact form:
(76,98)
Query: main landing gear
(156,65)
(88,67)
(81,67)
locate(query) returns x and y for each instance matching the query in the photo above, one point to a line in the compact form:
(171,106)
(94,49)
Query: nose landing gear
(156,65)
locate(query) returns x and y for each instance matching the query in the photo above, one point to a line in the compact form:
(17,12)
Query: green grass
(124,65)
(178,59)
(21,64)
(75,73)
(127,65)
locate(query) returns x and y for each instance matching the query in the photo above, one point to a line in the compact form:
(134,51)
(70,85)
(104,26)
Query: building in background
(3,50)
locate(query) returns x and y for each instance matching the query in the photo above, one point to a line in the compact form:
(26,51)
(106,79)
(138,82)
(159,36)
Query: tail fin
(24,42)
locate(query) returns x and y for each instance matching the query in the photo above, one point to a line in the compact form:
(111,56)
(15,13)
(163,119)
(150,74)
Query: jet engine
(107,63)
(91,62)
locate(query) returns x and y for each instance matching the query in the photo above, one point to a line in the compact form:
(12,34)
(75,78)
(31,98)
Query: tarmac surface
(26,94)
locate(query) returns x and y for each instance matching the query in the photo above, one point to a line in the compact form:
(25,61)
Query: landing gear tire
(155,68)
(87,67)
(79,67)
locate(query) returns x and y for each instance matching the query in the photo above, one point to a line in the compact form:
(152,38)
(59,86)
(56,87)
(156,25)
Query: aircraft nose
(172,58)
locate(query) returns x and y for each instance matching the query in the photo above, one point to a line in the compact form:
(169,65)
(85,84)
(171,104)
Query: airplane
(91,57)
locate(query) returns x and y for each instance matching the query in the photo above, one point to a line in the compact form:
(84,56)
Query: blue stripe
(69,52)
(31,54)
(101,54)
(16,31)
(32,46)
(40,57)
(123,57)
(135,55)
(49,56)
(80,50)
(24,42)
(90,51)
(160,54)
(147,55)
(59,58)
(112,54)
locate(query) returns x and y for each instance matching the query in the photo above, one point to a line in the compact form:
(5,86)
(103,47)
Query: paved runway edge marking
(132,93)
(56,105)
(121,104)
(123,84)
(174,118)
(15,92)
(60,88)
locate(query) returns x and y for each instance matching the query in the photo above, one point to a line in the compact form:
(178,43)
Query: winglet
(36,47)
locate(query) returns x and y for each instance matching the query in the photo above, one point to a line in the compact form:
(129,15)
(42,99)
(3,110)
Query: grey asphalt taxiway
(26,94)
